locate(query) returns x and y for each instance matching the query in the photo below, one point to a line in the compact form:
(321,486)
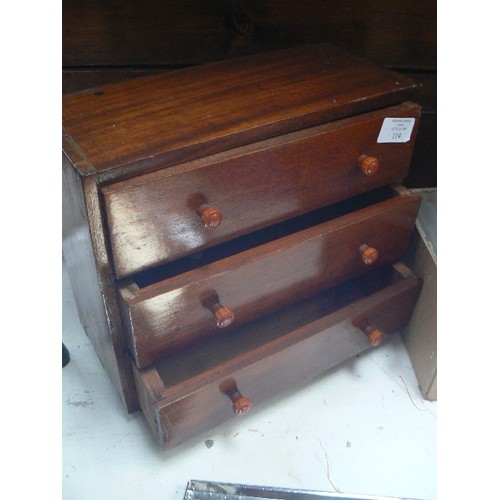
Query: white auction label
(396,130)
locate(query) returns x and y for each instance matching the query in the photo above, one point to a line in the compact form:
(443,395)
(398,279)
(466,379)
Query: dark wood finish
(193,112)
(228,196)
(170,314)
(166,32)
(153,219)
(78,79)
(114,41)
(423,168)
(269,356)
(91,279)
(149,387)
(423,171)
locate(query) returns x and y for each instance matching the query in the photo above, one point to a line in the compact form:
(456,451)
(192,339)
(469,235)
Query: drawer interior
(252,341)
(266,235)
(190,391)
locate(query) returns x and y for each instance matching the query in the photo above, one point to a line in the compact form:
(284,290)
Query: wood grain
(167,32)
(271,355)
(168,315)
(114,40)
(91,280)
(261,153)
(154,218)
(189,113)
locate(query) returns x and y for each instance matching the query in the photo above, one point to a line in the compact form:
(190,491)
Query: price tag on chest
(396,130)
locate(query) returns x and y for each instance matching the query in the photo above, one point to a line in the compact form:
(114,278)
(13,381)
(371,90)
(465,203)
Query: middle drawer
(174,305)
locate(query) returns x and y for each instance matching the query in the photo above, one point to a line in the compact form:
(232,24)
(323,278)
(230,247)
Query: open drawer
(201,387)
(162,216)
(170,307)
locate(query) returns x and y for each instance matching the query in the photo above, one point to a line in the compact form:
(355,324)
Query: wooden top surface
(181,115)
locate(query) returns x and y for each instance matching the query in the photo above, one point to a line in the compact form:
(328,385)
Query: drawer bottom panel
(203,386)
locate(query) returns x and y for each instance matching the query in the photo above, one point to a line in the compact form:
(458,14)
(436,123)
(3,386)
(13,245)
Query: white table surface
(361,428)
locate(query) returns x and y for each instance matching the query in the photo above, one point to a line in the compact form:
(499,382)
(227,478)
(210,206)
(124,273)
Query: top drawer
(167,214)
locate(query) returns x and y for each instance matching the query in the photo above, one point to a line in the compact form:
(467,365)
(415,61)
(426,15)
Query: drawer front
(178,413)
(173,313)
(164,215)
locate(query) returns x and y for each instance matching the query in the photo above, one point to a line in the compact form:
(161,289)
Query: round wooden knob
(223,315)
(374,335)
(210,216)
(368,254)
(241,404)
(368,164)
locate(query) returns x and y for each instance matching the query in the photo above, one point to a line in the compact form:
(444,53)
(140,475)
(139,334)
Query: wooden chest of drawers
(233,229)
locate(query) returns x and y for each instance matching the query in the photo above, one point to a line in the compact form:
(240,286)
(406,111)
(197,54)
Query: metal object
(201,490)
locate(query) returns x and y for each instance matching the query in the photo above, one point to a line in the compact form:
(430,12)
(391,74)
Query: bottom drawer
(197,389)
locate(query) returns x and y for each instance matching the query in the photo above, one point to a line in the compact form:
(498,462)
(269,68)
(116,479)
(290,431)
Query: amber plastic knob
(368,254)
(223,316)
(374,335)
(241,404)
(210,216)
(368,164)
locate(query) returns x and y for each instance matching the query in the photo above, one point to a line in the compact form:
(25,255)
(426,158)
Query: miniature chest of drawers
(233,229)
